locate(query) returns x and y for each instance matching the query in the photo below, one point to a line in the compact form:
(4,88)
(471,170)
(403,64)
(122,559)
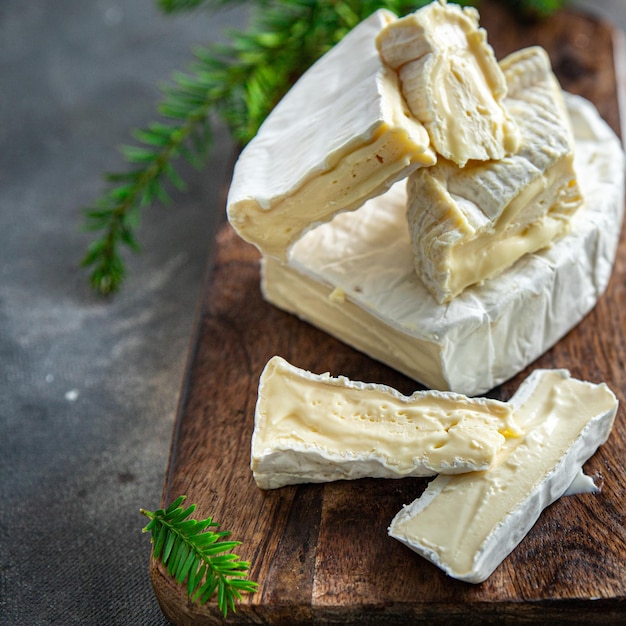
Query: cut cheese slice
(451,81)
(316,428)
(354,278)
(341,135)
(470,224)
(468,524)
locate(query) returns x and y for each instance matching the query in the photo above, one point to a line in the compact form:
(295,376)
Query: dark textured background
(89,387)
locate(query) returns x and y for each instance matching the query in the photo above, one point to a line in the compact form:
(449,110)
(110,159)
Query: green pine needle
(239,83)
(192,552)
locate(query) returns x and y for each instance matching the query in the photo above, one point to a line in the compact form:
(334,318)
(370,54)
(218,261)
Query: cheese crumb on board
(451,81)
(317,428)
(467,525)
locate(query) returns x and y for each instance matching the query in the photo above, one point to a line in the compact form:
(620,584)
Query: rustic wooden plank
(320,552)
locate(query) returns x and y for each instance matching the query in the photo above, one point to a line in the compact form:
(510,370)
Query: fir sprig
(193,553)
(239,83)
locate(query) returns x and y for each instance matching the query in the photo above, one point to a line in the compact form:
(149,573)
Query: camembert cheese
(317,428)
(468,524)
(354,278)
(451,81)
(341,135)
(469,224)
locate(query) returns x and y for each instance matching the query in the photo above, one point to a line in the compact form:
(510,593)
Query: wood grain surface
(321,553)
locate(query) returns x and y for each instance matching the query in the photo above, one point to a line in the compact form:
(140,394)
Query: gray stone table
(88,386)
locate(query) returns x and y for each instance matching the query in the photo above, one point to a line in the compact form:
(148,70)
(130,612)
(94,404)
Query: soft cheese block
(469,224)
(468,524)
(354,278)
(451,81)
(341,135)
(318,428)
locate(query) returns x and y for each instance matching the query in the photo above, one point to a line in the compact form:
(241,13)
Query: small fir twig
(239,83)
(198,556)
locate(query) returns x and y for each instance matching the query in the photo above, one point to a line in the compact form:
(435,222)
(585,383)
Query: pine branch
(188,134)
(193,553)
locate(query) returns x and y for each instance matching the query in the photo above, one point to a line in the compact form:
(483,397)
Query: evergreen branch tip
(197,557)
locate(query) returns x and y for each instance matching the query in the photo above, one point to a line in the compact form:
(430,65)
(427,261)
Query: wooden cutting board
(320,552)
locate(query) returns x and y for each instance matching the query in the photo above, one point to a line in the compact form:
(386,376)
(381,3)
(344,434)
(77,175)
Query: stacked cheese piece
(499,464)
(504,184)
(471,223)
(451,82)
(462,276)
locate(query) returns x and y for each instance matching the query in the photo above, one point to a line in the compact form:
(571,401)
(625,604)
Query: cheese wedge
(354,278)
(451,81)
(341,135)
(316,428)
(470,224)
(468,524)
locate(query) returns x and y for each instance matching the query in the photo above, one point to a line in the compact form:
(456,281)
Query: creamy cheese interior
(451,81)
(460,513)
(341,420)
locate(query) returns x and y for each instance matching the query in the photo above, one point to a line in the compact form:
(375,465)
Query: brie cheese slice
(316,428)
(468,524)
(470,224)
(451,81)
(488,333)
(341,135)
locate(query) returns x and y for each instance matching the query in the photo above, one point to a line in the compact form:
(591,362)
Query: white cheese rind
(487,514)
(319,428)
(488,333)
(341,135)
